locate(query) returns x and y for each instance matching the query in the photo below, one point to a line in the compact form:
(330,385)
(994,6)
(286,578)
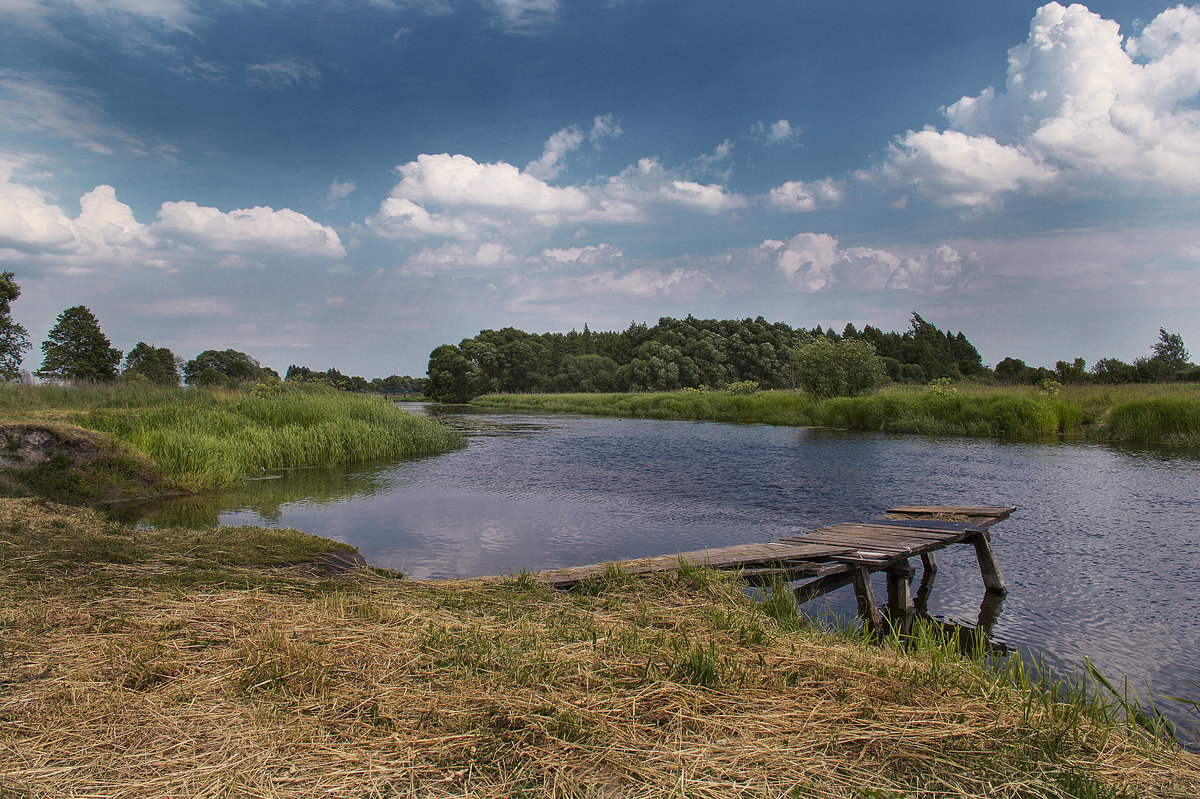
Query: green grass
(1166,414)
(202,439)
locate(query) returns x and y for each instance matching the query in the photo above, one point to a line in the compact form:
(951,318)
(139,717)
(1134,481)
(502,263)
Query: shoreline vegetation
(1144,414)
(104,443)
(172,662)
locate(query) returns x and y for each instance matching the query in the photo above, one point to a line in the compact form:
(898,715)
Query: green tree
(228,368)
(75,349)
(1169,350)
(453,378)
(14,339)
(156,364)
(844,368)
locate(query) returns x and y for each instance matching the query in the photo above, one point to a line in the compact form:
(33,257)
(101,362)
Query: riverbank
(1166,414)
(170,663)
(105,443)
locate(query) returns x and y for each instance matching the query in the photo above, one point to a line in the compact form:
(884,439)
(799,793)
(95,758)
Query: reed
(1167,414)
(203,439)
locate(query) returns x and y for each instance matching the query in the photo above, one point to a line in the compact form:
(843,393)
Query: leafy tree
(156,364)
(228,368)
(1113,370)
(1074,372)
(1013,370)
(75,349)
(1170,351)
(838,369)
(453,378)
(14,339)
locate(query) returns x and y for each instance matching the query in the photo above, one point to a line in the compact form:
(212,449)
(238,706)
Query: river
(1102,557)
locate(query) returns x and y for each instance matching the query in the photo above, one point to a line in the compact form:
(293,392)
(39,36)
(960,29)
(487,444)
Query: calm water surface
(1101,559)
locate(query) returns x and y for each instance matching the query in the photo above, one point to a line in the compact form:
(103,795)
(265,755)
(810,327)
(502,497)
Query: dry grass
(115,684)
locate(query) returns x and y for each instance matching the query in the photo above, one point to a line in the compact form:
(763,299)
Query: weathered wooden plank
(1002,512)
(924,525)
(850,540)
(866,528)
(852,534)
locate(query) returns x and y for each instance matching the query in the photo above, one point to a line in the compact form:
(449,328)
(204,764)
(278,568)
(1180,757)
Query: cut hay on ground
(114,683)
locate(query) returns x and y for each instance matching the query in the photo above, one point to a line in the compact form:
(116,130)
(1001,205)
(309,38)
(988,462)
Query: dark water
(1101,558)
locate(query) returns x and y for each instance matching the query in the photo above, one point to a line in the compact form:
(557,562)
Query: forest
(680,353)
(754,354)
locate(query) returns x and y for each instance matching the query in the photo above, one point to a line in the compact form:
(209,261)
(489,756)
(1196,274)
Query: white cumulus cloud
(247,229)
(1082,110)
(796,195)
(454,196)
(816,261)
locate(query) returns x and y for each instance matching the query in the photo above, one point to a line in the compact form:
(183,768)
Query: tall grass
(1144,413)
(214,439)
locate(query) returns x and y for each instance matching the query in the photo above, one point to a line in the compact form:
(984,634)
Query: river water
(1101,559)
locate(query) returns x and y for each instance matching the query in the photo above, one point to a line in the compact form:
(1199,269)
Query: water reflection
(267,497)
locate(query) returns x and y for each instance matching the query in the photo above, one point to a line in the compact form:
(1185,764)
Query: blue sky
(350,184)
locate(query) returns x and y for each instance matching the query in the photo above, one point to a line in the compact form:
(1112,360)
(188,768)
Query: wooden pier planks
(828,552)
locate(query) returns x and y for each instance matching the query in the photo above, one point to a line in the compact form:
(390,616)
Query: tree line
(691,353)
(751,354)
(76,349)
(1167,362)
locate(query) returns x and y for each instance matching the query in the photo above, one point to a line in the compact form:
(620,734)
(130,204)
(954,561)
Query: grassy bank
(1145,414)
(161,663)
(202,439)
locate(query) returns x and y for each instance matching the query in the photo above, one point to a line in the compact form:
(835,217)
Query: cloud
(647,183)
(339,190)
(173,15)
(454,256)
(256,229)
(550,164)
(604,127)
(283,73)
(1081,111)
(454,196)
(567,140)
(32,104)
(589,255)
(524,15)
(612,284)
(29,222)
(777,132)
(796,195)
(955,169)
(106,233)
(815,261)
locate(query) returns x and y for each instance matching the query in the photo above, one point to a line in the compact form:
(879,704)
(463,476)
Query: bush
(846,368)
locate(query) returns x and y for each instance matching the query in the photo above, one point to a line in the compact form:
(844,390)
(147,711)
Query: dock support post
(868,609)
(992,580)
(899,588)
(928,564)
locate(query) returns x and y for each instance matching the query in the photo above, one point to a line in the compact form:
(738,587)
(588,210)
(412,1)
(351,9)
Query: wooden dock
(821,560)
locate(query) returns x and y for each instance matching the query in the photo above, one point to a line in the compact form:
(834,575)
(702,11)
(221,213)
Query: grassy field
(1168,414)
(171,663)
(199,439)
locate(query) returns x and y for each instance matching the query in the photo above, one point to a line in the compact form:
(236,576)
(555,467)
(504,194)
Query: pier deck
(839,554)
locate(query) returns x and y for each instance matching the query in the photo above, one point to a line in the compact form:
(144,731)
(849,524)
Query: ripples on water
(1101,557)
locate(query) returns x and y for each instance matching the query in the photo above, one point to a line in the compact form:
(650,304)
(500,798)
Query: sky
(351,183)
